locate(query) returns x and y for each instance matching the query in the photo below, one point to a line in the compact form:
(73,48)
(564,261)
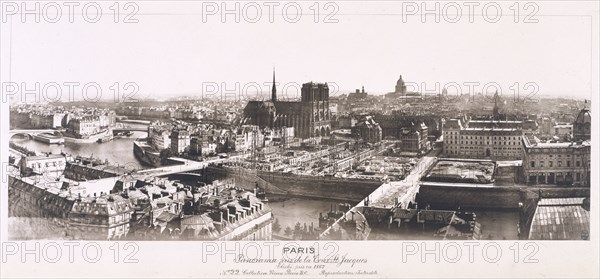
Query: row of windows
(552,177)
(486,137)
(488,143)
(559,163)
(478,148)
(47,164)
(553,151)
(477,153)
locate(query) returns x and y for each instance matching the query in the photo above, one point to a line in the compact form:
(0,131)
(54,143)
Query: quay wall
(295,185)
(495,197)
(450,197)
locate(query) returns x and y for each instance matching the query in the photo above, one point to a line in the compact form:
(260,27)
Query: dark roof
(166,217)
(584,116)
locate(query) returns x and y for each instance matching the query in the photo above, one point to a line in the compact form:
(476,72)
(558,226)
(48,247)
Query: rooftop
(560,219)
(461,171)
(45,157)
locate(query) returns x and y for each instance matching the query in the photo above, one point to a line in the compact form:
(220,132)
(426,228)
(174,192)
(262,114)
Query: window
(568,164)
(533,164)
(541,164)
(559,163)
(550,163)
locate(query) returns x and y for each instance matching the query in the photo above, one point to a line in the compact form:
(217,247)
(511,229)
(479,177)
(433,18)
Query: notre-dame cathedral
(310,116)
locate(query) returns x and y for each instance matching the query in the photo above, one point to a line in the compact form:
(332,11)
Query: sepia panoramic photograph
(387,123)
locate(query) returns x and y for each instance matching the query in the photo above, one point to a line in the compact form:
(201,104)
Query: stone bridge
(31,132)
(129,129)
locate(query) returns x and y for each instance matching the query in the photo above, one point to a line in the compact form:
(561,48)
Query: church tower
(495,113)
(274,89)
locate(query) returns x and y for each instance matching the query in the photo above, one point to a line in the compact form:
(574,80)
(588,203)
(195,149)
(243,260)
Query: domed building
(582,127)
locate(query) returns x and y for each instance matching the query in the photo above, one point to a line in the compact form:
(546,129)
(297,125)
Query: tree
(288,231)
(298,230)
(165,154)
(276,226)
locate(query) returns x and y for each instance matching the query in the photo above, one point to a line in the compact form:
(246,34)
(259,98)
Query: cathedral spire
(274,89)
(495,111)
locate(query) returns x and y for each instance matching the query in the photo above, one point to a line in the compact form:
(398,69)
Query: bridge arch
(28,135)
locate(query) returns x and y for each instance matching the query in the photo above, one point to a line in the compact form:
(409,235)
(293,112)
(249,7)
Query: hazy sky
(171,51)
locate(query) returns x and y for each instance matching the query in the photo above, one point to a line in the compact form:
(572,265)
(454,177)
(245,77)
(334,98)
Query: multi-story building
(547,126)
(561,163)
(202,147)
(246,137)
(159,137)
(49,166)
(414,139)
(284,135)
(46,120)
(85,126)
(563,130)
(496,140)
(368,130)
(107,119)
(105,217)
(208,148)
(180,140)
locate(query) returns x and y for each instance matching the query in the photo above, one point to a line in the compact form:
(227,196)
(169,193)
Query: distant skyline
(171,52)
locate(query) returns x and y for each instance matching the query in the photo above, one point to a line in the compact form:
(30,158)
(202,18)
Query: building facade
(159,137)
(496,140)
(560,163)
(105,217)
(367,130)
(180,140)
(310,116)
(49,166)
(85,126)
(563,163)
(563,130)
(413,139)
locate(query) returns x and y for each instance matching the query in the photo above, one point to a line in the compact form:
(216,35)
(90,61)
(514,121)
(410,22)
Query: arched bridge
(32,132)
(129,129)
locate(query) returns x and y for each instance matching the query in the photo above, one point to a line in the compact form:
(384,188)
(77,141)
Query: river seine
(118,151)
